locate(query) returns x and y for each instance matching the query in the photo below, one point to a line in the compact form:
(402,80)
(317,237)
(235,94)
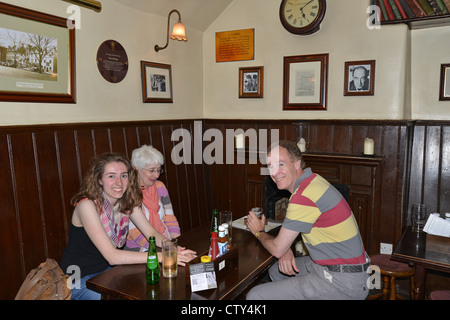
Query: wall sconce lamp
(90,4)
(178,32)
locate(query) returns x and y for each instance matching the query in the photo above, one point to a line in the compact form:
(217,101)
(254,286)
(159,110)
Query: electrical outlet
(385,248)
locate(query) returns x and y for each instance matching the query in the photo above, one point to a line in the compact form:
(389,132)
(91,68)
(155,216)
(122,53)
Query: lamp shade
(179,32)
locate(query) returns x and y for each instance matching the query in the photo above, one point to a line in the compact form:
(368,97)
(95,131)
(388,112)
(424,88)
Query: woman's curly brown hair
(92,189)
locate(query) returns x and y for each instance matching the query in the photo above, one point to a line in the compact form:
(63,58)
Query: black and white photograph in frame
(251,82)
(359,78)
(156,82)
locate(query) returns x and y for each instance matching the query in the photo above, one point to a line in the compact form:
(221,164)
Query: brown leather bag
(46,282)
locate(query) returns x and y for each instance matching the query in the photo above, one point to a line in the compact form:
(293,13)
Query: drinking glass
(418,217)
(227,217)
(169,257)
(257,211)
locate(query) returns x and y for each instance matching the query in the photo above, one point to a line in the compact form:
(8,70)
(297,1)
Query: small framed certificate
(305,82)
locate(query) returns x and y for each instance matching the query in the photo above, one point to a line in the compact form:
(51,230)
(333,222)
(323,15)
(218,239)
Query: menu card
(271,224)
(202,276)
(437,226)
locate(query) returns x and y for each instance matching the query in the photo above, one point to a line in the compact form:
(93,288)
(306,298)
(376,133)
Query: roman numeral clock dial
(302,16)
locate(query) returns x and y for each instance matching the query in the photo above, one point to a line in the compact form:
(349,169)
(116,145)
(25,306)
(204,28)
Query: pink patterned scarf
(115,223)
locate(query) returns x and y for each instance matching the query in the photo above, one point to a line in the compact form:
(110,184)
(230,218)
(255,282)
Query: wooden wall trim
(342,137)
(41,167)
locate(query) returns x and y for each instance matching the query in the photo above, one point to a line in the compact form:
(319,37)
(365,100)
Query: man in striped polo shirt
(337,262)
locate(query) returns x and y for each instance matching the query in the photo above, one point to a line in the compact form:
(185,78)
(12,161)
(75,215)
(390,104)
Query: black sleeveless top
(81,252)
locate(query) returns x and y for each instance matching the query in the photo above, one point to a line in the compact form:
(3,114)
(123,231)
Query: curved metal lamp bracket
(157,48)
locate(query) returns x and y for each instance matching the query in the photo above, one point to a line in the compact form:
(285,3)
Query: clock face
(302,16)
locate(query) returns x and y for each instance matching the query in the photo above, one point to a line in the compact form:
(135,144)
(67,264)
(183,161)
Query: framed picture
(156,82)
(37,57)
(251,82)
(444,92)
(305,82)
(359,78)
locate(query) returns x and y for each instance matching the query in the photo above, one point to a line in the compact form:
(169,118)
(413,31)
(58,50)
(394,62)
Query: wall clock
(302,16)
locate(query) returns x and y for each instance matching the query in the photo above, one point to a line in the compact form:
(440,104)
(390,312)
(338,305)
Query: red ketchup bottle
(214,248)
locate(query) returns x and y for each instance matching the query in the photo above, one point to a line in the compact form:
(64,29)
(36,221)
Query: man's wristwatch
(257,234)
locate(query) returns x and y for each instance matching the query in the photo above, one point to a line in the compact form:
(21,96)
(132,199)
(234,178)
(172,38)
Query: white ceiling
(197,14)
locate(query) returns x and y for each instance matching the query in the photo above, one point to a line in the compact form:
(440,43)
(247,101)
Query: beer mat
(271,224)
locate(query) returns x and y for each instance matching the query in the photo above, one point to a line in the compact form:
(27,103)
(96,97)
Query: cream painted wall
(99,100)
(407,64)
(343,35)
(428,53)
(407,67)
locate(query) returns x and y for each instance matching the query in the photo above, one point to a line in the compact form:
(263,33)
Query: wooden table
(412,248)
(128,281)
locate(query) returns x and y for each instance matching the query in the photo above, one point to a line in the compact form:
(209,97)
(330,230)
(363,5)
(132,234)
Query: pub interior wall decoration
(45,73)
(359,78)
(444,92)
(251,82)
(236,45)
(112,61)
(156,82)
(302,17)
(305,82)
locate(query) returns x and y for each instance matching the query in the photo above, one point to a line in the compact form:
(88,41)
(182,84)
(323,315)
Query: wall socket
(385,248)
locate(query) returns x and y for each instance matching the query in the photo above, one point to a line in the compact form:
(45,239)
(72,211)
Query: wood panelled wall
(327,136)
(430,167)
(41,168)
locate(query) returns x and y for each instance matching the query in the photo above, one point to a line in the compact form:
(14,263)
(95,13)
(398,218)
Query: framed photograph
(251,82)
(305,82)
(156,82)
(37,56)
(359,78)
(444,92)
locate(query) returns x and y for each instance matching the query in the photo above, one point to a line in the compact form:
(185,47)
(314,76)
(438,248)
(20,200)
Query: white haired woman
(156,202)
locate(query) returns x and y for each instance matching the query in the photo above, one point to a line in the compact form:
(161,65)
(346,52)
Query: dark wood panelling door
(255,187)
(360,205)
(255,193)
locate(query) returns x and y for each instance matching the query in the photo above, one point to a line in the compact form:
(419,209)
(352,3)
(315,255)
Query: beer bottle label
(152,262)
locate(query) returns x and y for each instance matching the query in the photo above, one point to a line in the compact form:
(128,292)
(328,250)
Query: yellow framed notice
(237,45)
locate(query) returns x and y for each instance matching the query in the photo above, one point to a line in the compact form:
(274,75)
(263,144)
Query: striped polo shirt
(329,229)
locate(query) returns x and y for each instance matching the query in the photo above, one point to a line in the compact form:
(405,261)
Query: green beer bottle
(152,270)
(215,221)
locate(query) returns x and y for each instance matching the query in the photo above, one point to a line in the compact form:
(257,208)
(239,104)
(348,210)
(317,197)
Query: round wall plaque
(112,61)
